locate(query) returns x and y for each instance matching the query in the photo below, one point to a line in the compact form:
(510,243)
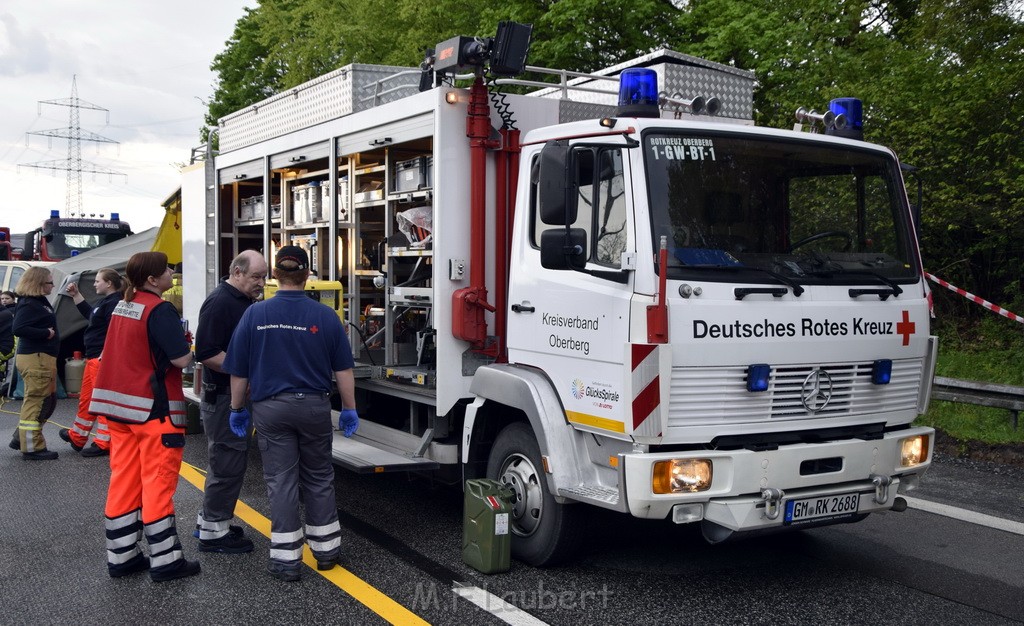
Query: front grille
(718,395)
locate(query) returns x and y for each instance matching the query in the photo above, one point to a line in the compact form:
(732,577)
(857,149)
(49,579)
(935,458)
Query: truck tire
(544,532)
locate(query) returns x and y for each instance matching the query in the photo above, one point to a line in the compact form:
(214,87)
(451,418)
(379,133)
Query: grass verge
(969,422)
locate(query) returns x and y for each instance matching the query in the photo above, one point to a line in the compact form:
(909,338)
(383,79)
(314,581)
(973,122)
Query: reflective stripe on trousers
(39,371)
(294,437)
(123,535)
(85,420)
(228,457)
(164,548)
(144,463)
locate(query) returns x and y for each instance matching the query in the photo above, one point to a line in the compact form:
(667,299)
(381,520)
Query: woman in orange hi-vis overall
(108,286)
(139,389)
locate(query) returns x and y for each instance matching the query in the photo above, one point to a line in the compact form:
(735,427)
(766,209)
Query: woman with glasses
(35,325)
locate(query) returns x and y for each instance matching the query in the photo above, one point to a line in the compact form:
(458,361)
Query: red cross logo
(314,329)
(906,328)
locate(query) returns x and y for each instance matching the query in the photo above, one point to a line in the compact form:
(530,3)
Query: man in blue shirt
(289,351)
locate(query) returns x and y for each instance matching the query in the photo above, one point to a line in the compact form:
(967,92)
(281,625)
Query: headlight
(913,451)
(681,476)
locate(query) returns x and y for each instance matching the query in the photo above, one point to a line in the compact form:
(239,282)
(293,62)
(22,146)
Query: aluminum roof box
(344,91)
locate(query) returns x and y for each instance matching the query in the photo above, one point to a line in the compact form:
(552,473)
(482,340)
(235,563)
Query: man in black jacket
(228,452)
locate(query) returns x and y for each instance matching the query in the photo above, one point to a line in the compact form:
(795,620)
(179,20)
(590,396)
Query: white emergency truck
(596,293)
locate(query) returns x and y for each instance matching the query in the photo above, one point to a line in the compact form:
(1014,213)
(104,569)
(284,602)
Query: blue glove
(348,422)
(239,421)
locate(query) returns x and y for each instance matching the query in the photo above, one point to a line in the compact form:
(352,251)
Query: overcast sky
(145,61)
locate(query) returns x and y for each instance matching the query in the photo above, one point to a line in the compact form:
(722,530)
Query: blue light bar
(54,213)
(881,371)
(853,110)
(115,216)
(757,377)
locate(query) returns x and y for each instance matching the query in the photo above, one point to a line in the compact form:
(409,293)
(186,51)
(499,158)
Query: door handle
(522,308)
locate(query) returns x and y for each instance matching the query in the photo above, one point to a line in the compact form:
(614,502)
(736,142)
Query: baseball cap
(294,254)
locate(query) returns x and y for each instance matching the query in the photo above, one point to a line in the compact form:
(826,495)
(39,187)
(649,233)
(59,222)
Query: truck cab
(61,238)
(796,318)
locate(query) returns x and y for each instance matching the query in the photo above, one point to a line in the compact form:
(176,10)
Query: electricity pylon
(73,165)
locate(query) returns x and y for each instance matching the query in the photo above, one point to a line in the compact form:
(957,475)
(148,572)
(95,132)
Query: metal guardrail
(995,395)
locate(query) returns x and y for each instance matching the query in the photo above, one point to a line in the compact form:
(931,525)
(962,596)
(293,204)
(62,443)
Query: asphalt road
(402,560)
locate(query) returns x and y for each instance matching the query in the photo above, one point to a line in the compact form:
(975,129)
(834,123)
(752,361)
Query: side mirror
(563,249)
(553,185)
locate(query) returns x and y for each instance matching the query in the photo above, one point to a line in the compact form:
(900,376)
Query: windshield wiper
(736,269)
(893,288)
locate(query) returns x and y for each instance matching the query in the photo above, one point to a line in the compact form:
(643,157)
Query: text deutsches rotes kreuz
(806,327)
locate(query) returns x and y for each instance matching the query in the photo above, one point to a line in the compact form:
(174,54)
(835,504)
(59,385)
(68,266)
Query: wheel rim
(527,502)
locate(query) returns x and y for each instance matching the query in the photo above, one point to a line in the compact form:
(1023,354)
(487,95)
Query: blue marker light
(638,93)
(881,372)
(757,377)
(853,110)
(115,216)
(54,213)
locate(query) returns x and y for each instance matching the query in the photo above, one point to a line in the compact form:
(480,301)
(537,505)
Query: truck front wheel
(544,532)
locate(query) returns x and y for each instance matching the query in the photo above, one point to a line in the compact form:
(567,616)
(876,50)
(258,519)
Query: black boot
(40,455)
(179,569)
(137,563)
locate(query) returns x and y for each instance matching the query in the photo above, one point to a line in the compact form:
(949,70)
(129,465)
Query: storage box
(246,208)
(369,191)
(315,200)
(300,204)
(413,174)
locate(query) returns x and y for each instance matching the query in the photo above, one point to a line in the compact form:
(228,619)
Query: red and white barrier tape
(973,298)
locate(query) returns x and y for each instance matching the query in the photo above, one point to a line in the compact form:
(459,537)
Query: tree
(941,82)
(940,79)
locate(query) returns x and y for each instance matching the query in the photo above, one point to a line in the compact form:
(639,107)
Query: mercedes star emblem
(816,391)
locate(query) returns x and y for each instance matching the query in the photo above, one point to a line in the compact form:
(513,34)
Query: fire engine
(61,238)
(601,292)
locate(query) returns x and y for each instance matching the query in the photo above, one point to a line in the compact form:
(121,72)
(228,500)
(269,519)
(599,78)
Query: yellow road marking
(359,589)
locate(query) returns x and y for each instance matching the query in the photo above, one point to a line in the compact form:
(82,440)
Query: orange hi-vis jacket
(129,379)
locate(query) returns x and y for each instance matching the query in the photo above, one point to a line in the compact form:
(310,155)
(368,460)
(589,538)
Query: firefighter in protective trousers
(289,351)
(139,389)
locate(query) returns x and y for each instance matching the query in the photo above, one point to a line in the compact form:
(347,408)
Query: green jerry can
(486,543)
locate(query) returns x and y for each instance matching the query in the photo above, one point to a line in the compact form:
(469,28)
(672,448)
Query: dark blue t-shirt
(289,343)
(217,320)
(99,320)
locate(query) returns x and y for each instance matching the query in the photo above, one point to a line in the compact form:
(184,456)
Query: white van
(11,271)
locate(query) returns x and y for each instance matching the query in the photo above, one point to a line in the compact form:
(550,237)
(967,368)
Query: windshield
(813,213)
(62,244)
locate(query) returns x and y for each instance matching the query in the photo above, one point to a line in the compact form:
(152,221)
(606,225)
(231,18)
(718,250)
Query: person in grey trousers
(290,351)
(228,452)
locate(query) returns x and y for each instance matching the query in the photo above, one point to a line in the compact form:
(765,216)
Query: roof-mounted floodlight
(505,53)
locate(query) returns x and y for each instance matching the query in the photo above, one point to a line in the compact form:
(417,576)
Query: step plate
(358,456)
